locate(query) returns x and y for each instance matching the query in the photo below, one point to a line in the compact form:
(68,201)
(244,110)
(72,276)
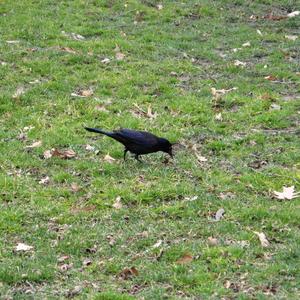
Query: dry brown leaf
(263,239)
(68,50)
(74,36)
(87,262)
(157,244)
(109,159)
(127,273)
(271,78)
(63,258)
(105,60)
(75,187)
(117,204)
(288,193)
(101,108)
(219,214)
(217,93)
(293,14)
(218,117)
(65,154)
(185,259)
(34,145)
(19,92)
(120,56)
(291,37)
(23,247)
(65,267)
(212,241)
(44,180)
(83,93)
(274,18)
(111,240)
(239,63)
(150,114)
(48,153)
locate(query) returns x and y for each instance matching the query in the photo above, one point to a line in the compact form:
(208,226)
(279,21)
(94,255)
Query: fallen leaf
(159,6)
(13,42)
(105,60)
(288,193)
(23,247)
(63,258)
(19,92)
(185,259)
(68,50)
(212,241)
(274,18)
(75,187)
(239,63)
(247,44)
(65,267)
(87,262)
(291,37)
(65,154)
(219,117)
(75,36)
(89,147)
(83,93)
(109,159)
(44,180)
(34,145)
(191,198)
(157,244)
(127,273)
(117,204)
(150,114)
(74,291)
(101,108)
(259,32)
(111,240)
(219,214)
(48,153)
(275,106)
(263,239)
(217,93)
(271,78)
(293,14)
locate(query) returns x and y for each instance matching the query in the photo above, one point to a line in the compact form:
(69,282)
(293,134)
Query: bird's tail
(98,131)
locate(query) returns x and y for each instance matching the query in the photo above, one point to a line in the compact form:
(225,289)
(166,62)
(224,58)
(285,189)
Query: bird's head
(166,146)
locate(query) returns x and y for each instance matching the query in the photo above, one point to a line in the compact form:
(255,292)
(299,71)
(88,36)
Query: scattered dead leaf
(157,244)
(274,18)
(117,204)
(288,193)
(275,106)
(105,60)
(119,55)
(109,159)
(219,214)
(48,153)
(44,180)
(239,63)
(65,267)
(111,240)
(23,247)
(247,44)
(185,259)
(68,50)
(218,117)
(63,258)
(13,42)
(293,14)
(193,198)
(34,145)
(159,6)
(212,241)
(271,78)
(87,262)
(19,92)
(263,239)
(101,108)
(83,93)
(218,93)
(74,36)
(259,32)
(127,273)
(89,147)
(64,154)
(291,37)
(75,187)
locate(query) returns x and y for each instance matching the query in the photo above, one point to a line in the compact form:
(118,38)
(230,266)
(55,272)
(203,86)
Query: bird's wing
(137,137)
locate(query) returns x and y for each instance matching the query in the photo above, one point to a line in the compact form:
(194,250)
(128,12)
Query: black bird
(137,142)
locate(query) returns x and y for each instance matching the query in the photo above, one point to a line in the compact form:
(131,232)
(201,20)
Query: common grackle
(137,142)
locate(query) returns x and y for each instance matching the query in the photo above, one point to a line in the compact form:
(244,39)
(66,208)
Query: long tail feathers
(97,131)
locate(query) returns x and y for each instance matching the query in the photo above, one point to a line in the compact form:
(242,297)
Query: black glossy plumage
(137,142)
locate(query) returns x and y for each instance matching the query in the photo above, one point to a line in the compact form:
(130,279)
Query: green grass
(174,56)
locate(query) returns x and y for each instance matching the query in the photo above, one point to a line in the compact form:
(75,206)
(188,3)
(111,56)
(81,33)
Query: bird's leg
(137,158)
(125,151)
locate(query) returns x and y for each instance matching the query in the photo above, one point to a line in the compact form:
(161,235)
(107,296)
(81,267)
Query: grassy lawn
(152,66)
